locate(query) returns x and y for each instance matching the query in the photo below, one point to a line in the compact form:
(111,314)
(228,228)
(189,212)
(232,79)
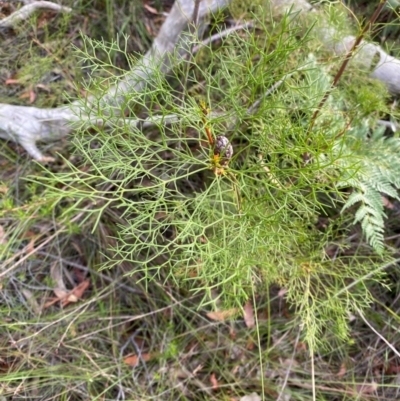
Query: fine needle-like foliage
(227,230)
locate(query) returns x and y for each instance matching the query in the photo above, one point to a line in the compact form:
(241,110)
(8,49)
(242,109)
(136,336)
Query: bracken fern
(377,173)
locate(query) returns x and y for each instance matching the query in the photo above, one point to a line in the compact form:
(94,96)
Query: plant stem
(195,17)
(346,60)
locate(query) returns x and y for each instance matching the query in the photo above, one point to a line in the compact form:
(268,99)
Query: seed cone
(223,147)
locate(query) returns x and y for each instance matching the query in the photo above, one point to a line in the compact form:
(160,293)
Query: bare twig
(289,369)
(378,334)
(26,11)
(27,125)
(389,124)
(195,16)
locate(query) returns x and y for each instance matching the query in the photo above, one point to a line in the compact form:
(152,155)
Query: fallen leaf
(214,382)
(57,277)
(62,298)
(80,289)
(221,316)
(76,294)
(12,81)
(59,293)
(301,346)
(68,297)
(392,369)
(44,87)
(133,360)
(77,246)
(29,94)
(150,9)
(28,235)
(32,96)
(44,18)
(250,344)
(31,246)
(342,370)
(288,363)
(249,315)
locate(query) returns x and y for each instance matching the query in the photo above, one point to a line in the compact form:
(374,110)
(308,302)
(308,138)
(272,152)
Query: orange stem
(209,135)
(207,129)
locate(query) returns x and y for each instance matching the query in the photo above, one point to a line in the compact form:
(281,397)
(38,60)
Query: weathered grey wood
(27,125)
(26,11)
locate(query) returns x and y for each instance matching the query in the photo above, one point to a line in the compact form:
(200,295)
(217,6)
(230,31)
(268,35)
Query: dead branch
(26,11)
(387,69)
(27,125)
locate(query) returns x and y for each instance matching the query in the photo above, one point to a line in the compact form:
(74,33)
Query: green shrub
(229,236)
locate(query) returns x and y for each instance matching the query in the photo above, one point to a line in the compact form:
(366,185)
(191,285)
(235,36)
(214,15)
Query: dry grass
(123,339)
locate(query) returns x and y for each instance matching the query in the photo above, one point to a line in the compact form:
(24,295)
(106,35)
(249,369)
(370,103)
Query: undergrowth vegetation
(144,195)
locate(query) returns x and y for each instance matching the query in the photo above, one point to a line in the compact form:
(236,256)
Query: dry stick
(289,369)
(28,125)
(389,124)
(346,60)
(26,11)
(378,334)
(195,17)
(174,118)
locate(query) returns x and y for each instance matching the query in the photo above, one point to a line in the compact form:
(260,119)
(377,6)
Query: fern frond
(385,187)
(366,211)
(378,173)
(354,198)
